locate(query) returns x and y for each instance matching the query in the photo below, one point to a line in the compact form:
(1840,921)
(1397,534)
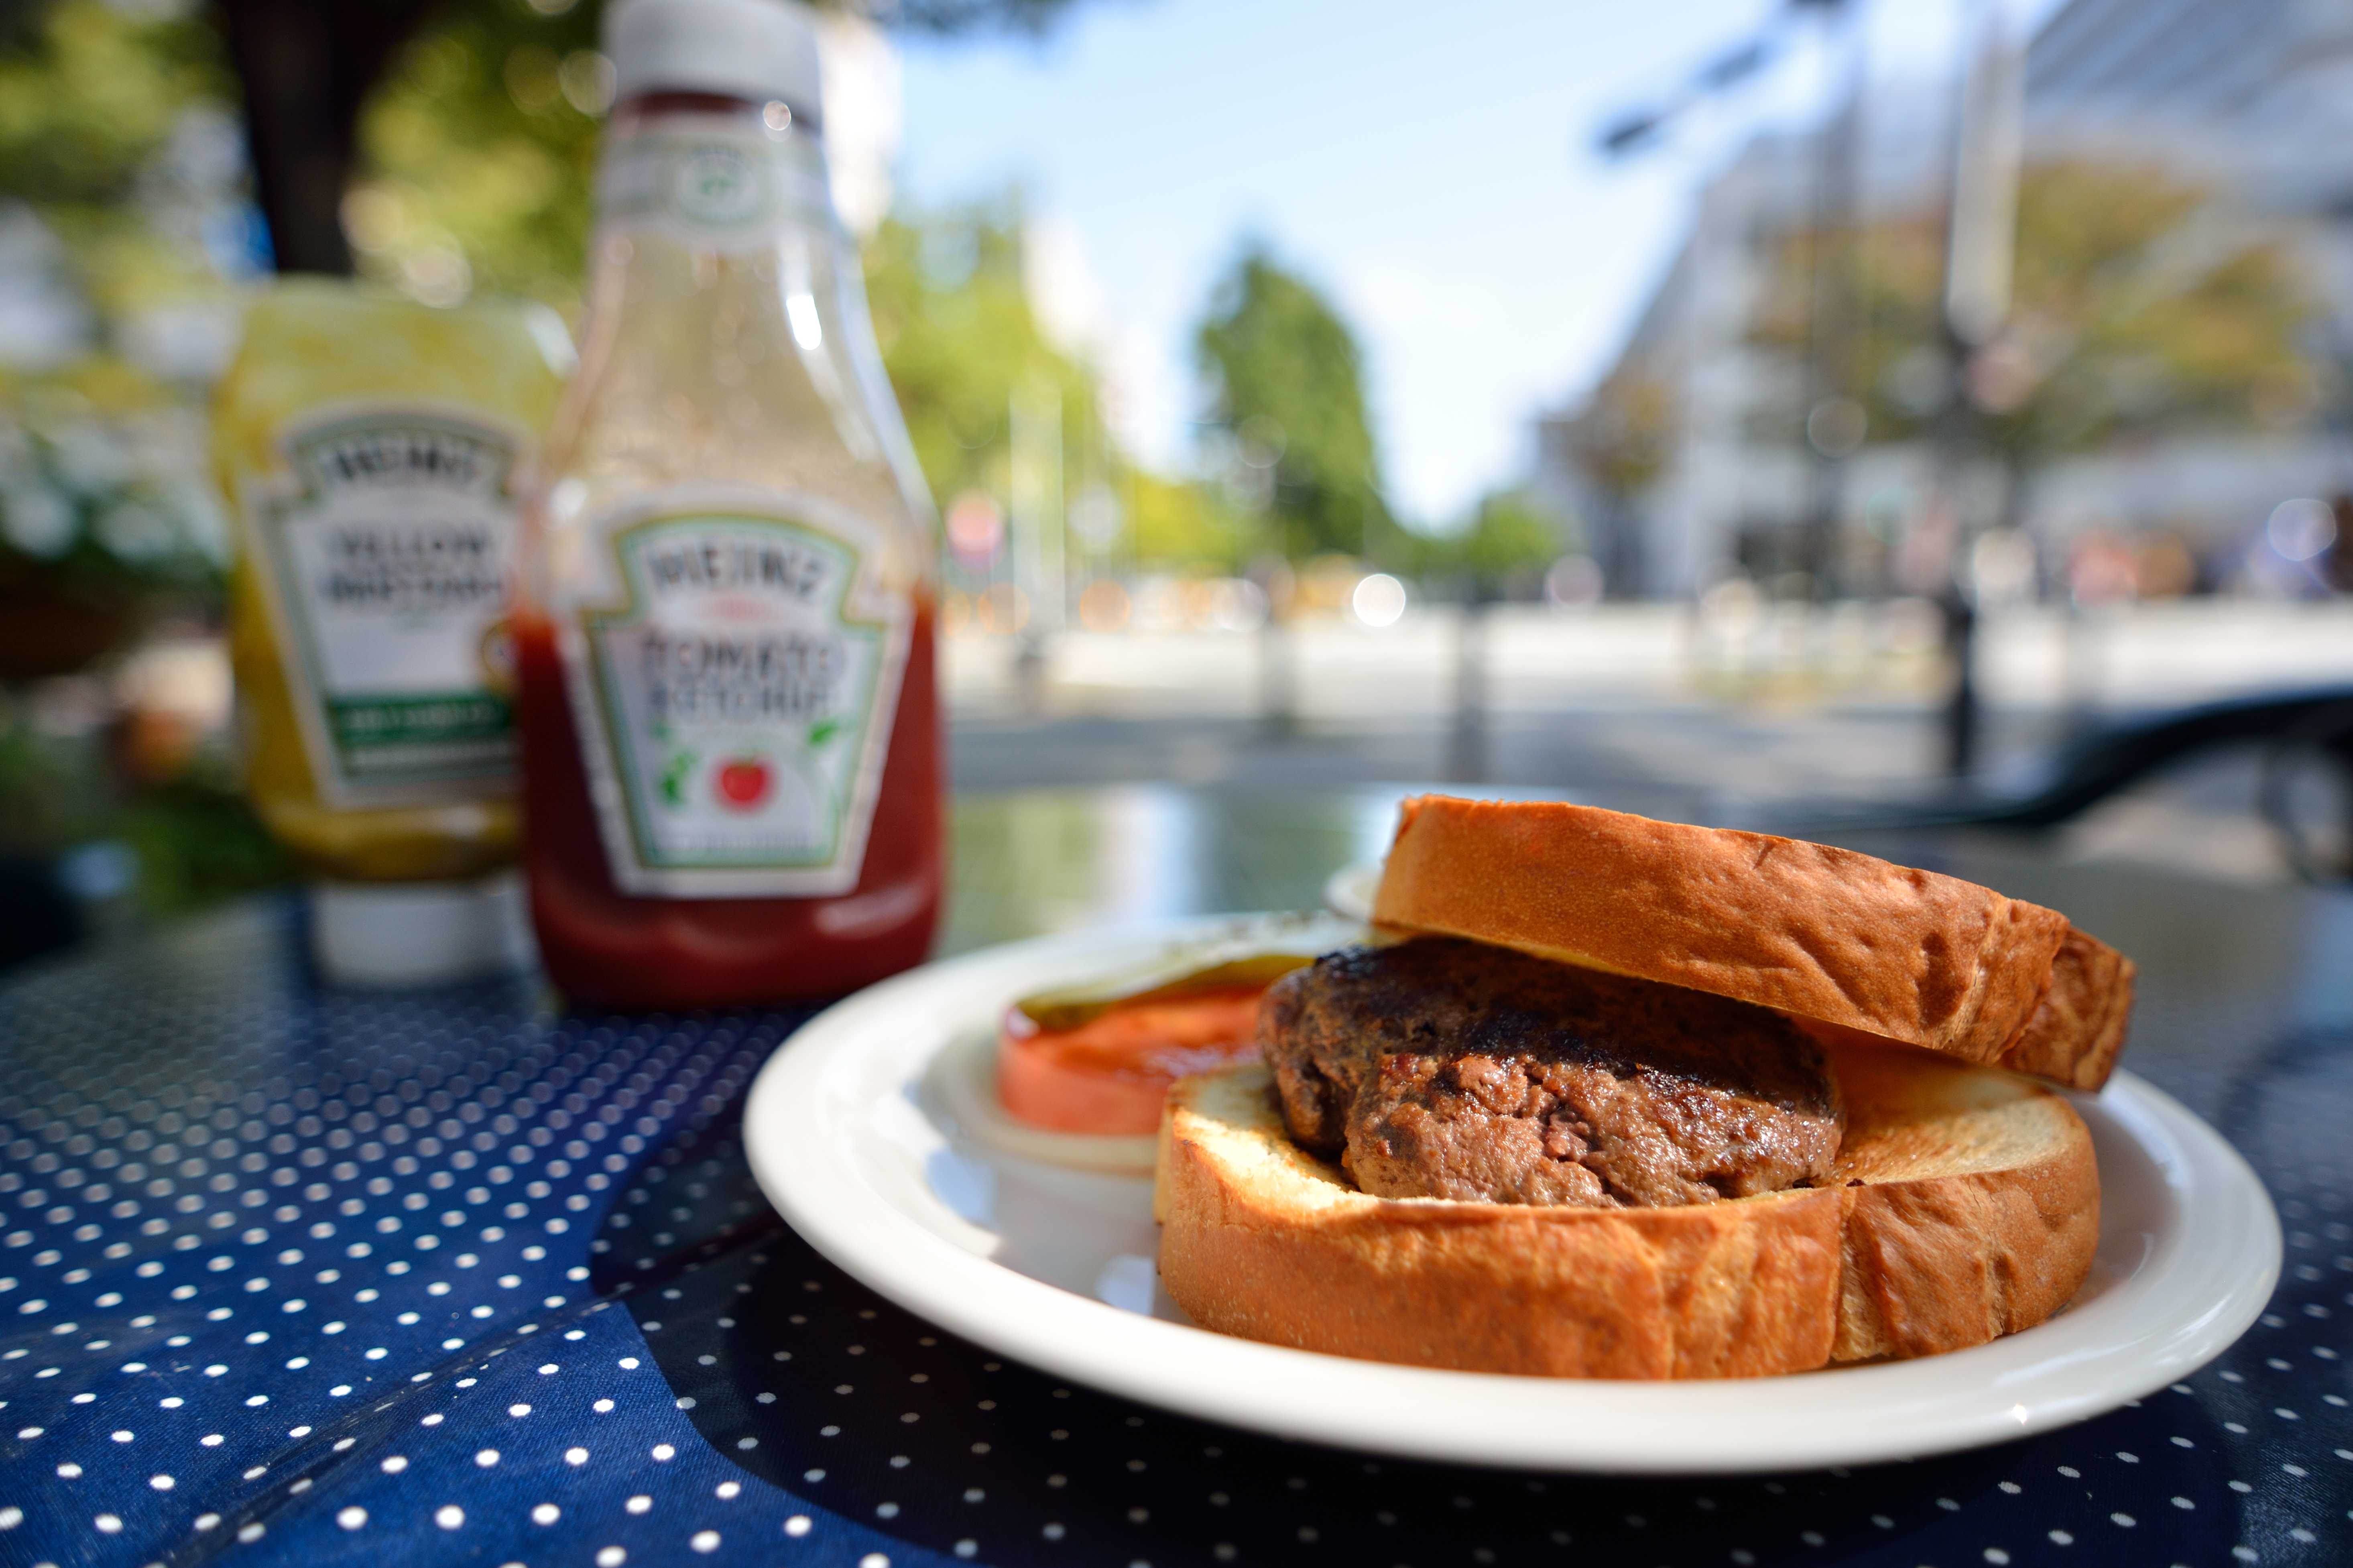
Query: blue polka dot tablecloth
(289,1275)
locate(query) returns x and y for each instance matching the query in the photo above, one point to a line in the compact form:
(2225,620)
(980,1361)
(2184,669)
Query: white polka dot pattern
(663,1374)
(265,1253)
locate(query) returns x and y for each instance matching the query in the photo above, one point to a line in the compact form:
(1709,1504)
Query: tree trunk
(306,68)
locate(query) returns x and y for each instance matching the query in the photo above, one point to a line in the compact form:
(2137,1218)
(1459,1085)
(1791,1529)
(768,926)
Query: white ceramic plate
(1350,890)
(851,1134)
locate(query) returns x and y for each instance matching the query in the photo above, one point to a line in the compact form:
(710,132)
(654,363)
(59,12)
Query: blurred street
(1739,719)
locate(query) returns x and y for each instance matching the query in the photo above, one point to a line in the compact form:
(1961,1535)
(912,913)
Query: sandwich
(1614,1098)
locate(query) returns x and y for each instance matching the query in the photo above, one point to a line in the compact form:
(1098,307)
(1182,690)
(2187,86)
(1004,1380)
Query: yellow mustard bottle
(373,452)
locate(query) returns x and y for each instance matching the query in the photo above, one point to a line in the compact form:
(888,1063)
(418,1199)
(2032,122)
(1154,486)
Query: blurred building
(2251,99)
(1663,463)
(2255,96)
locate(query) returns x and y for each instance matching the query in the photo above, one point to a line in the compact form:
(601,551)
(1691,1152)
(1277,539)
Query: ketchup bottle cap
(759,51)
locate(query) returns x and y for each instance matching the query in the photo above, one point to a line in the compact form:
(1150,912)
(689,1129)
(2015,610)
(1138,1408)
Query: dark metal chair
(2295,729)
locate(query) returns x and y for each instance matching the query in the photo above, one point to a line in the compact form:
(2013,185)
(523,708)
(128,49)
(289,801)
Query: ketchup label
(710,181)
(734,693)
(383,555)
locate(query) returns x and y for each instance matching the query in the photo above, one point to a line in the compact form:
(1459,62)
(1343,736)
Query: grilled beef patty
(1445,1069)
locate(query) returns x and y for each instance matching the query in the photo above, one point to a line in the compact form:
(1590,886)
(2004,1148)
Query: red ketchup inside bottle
(603,946)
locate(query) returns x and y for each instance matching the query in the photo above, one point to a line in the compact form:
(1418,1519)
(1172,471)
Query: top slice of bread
(2075,1033)
(1820,934)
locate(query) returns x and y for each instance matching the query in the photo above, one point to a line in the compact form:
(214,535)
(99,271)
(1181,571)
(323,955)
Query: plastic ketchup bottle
(724,627)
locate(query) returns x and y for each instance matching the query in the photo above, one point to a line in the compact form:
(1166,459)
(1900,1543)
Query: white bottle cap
(754,49)
(419,933)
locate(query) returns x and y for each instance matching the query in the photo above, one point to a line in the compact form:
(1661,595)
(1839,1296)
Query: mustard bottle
(373,452)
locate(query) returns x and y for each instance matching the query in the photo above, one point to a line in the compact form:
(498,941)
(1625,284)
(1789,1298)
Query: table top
(292,1273)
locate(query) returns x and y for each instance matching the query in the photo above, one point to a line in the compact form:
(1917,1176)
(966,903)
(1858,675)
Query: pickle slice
(1052,1011)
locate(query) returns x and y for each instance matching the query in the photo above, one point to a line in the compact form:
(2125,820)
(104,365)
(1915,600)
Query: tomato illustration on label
(742,783)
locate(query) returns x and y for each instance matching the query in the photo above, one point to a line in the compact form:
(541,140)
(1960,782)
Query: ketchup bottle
(724,627)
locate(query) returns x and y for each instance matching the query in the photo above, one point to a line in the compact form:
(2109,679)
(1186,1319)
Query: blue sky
(1431,168)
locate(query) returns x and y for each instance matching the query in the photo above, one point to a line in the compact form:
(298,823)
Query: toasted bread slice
(1823,934)
(1976,1215)
(2075,1031)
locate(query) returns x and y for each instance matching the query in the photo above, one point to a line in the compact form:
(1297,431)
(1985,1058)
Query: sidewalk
(1650,707)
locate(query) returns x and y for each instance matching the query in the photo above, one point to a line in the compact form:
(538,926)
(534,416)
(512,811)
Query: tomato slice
(1102,1066)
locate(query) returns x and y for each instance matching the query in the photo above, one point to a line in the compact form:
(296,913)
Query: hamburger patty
(1445,1069)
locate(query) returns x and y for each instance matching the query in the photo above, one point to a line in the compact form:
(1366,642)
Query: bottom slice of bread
(1967,1208)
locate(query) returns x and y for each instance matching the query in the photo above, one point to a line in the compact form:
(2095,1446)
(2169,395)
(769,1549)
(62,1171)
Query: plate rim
(1590,1425)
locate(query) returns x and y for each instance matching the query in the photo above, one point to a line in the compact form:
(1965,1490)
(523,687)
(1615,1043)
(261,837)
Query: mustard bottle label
(384,546)
(734,688)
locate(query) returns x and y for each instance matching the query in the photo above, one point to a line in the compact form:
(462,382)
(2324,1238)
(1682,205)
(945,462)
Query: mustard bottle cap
(387,934)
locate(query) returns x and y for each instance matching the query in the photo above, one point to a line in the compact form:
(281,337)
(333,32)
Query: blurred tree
(1623,436)
(952,320)
(1500,552)
(1288,401)
(1185,528)
(2140,307)
(90,95)
(479,150)
(125,232)
(92,80)
(478,154)
(1511,542)
(309,70)
(1620,442)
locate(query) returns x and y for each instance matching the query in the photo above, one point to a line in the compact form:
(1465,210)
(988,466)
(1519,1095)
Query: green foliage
(1503,551)
(1511,538)
(1183,527)
(198,842)
(1623,439)
(196,838)
(114,126)
(2129,319)
(90,97)
(478,150)
(53,793)
(480,143)
(1288,394)
(2139,307)
(117,157)
(952,316)
(89,94)
(479,163)
(479,156)
(958,339)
